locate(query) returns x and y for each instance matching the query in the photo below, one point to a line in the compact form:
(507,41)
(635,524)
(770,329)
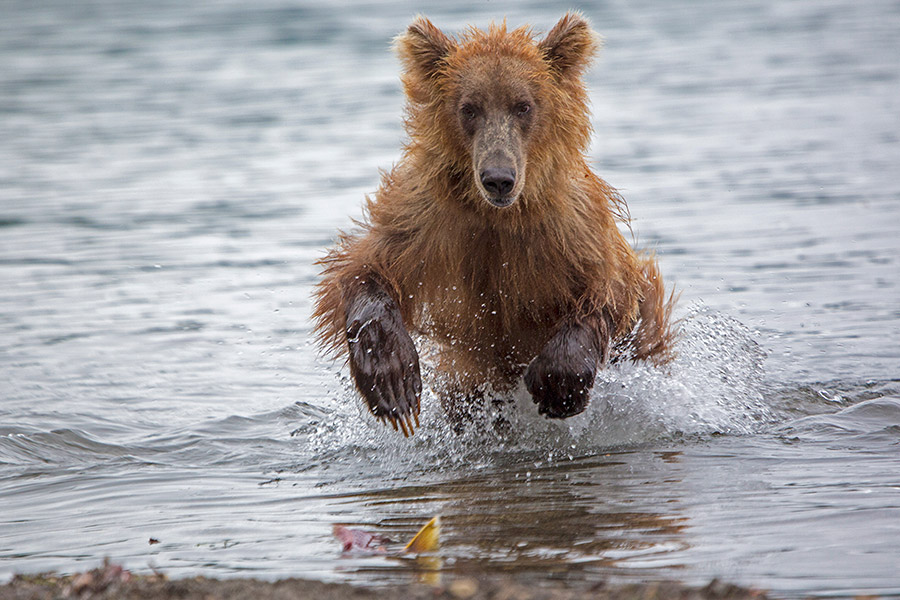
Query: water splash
(713,386)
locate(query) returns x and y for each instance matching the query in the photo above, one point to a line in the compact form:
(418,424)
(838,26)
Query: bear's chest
(497,303)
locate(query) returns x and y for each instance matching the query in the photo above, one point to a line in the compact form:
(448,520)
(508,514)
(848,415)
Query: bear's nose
(498,181)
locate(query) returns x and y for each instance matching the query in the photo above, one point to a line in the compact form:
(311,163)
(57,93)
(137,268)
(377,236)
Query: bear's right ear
(570,45)
(422,48)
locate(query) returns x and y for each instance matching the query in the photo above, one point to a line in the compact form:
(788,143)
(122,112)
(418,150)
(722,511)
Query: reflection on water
(168,175)
(565,519)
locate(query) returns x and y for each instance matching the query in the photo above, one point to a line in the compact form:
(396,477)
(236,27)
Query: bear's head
(505,111)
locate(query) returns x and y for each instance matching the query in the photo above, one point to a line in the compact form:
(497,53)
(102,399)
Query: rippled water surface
(169,173)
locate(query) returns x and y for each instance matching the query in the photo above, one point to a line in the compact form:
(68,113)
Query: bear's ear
(570,45)
(423,47)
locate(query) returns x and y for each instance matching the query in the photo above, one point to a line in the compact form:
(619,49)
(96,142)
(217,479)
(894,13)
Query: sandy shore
(111,581)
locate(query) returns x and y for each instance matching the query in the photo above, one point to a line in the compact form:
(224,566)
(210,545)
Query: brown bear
(491,237)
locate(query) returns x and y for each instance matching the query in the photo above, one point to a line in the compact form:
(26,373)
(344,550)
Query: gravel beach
(111,581)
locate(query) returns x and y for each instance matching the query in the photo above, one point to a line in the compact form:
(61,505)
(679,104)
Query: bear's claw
(383,360)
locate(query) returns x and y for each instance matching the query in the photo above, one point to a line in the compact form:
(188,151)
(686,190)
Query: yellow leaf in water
(427,538)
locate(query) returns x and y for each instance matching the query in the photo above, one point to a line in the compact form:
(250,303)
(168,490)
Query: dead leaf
(357,541)
(427,540)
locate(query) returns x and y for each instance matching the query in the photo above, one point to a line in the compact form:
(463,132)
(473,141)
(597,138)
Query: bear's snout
(499,182)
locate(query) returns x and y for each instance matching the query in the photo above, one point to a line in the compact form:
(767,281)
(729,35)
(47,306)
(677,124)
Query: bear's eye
(468,112)
(522,109)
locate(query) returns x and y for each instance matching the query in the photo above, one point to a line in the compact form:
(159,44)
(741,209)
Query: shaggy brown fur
(492,236)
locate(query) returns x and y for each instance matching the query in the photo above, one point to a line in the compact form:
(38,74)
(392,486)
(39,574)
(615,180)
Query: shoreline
(112,581)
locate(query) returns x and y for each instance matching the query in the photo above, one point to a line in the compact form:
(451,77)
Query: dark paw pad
(557,392)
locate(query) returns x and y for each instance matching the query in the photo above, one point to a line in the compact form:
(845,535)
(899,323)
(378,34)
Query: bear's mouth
(501,201)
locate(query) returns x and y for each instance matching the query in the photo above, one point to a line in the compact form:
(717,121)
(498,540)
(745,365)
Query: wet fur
(548,281)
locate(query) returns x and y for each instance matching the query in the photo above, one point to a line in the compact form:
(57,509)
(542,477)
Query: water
(169,174)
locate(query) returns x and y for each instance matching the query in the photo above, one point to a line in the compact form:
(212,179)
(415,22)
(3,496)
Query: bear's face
(496,111)
(496,104)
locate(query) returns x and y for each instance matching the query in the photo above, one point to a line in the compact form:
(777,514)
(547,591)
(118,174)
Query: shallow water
(168,176)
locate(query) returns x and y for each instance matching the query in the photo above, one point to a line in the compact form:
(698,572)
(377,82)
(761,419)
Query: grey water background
(170,171)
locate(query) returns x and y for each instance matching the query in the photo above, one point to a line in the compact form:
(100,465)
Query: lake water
(170,171)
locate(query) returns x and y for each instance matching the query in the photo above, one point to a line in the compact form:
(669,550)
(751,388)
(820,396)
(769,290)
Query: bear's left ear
(423,47)
(570,45)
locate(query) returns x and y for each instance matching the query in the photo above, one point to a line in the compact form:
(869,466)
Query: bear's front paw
(385,365)
(559,390)
(561,377)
